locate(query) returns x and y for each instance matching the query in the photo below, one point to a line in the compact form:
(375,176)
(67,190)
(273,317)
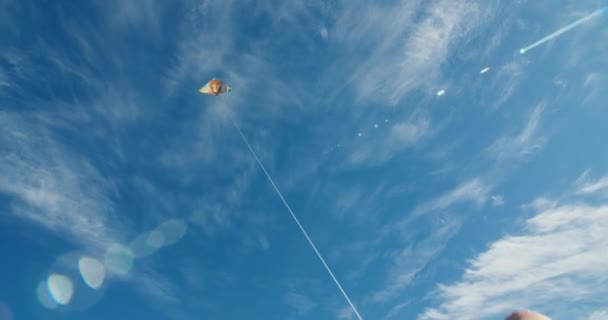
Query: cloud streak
(416,40)
(587,186)
(523,144)
(301,303)
(54,187)
(474,190)
(401,135)
(409,261)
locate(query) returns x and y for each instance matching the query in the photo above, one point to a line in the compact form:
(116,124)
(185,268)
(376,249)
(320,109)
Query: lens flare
(44,296)
(156,239)
(564,29)
(92,271)
(172,231)
(61,288)
(119,260)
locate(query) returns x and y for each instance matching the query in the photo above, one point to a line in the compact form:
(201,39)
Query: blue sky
(125,193)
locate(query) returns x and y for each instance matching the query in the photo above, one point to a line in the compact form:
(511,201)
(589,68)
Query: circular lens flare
(172,231)
(92,271)
(61,288)
(118,259)
(156,239)
(44,297)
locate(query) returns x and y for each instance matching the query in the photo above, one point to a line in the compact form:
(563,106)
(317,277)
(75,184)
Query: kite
(215,87)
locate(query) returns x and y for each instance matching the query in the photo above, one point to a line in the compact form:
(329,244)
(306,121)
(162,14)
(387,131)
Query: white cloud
(408,133)
(301,303)
(587,186)
(523,144)
(404,134)
(411,47)
(474,190)
(51,185)
(144,14)
(599,315)
(51,182)
(530,270)
(264,243)
(505,81)
(346,313)
(212,218)
(497,200)
(407,262)
(155,285)
(4,80)
(593,85)
(191,274)
(54,187)
(396,309)
(355,204)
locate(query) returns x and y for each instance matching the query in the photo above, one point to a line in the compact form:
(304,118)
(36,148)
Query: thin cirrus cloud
(301,303)
(585,185)
(416,39)
(401,136)
(56,184)
(475,190)
(525,143)
(413,258)
(414,255)
(63,192)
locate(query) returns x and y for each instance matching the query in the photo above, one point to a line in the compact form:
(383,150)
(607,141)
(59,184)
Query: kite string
(296,219)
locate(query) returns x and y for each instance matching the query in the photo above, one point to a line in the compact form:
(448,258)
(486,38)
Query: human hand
(526,315)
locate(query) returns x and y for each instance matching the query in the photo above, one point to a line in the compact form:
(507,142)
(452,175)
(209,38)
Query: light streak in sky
(564,29)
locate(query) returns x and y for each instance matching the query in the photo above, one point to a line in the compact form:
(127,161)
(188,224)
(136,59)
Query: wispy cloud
(599,315)
(77,113)
(356,204)
(421,247)
(413,258)
(54,187)
(402,135)
(345,313)
(155,285)
(497,200)
(474,190)
(506,80)
(143,14)
(593,84)
(301,303)
(523,144)
(396,309)
(416,39)
(587,186)
(408,133)
(528,271)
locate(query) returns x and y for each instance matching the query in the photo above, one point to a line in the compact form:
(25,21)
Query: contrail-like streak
(564,29)
(296,220)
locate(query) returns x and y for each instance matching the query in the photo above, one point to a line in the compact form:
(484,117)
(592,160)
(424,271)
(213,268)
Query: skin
(526,315)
